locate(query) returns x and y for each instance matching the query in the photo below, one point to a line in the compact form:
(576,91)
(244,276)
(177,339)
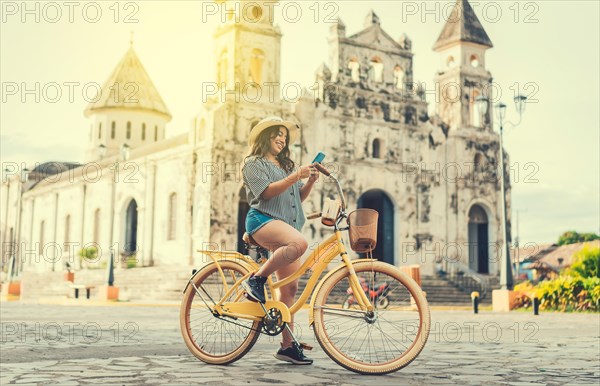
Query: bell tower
(248,51)
(463,76)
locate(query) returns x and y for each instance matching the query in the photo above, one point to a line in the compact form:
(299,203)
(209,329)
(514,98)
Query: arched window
(478,161)
(474,60)
(143,131)
(399,77)
(128,130)
(113,127)
(231,12)
(97,226)
(255,14)
(354,67)
(450,62)
(172,216)
(200,130)
(474,114)
(41,247)
(376,70)
(376,148)
(222,68)
(100,130)
(257,60)
(477,215)
(67,233)
(155,133)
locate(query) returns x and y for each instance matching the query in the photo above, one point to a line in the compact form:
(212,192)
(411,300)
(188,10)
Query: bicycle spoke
(342,312)
(370,338)
(216,336)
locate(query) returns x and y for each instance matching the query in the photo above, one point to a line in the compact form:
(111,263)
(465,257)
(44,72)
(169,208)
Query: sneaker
(293,354)
(255,287)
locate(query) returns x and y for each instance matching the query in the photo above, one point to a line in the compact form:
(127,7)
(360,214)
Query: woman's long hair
(263,145)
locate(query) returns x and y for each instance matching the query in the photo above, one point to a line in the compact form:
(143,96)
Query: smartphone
(319,158)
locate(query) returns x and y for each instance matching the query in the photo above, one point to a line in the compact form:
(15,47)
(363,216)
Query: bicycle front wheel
(214,339)
(379,342)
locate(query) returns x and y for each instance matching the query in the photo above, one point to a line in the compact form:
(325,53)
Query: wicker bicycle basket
(363,230)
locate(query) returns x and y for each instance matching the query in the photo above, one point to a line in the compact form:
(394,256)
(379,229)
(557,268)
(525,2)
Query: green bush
(586,263)
(525,292)
(568,293)
(89,254)
(131,261)
(577,289)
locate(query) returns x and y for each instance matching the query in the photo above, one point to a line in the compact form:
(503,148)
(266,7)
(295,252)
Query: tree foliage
(572,237)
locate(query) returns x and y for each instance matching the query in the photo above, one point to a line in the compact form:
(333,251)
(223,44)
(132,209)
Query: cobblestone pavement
(127,345)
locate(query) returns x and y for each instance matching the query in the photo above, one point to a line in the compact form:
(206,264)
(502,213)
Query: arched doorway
(478,240)
(130,246)
(379,200)
(243,208)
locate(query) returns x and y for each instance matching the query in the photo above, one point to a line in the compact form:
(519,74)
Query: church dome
(135,89)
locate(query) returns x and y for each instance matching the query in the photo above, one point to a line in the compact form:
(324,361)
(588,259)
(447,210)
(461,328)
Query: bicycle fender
(311,309)
(217,256)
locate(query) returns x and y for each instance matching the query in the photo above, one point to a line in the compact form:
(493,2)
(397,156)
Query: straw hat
(268,122)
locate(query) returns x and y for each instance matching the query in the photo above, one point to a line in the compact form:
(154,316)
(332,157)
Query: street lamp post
(506,277)
(518,245)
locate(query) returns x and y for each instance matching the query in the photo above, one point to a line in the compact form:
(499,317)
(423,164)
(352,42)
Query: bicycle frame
(318,260)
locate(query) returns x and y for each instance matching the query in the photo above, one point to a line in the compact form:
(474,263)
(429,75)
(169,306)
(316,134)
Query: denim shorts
(256,220)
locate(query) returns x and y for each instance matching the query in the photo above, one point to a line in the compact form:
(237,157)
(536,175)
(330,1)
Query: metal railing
(467,280)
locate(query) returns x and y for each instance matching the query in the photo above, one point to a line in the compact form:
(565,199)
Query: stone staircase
(164,283)
(38,285)
(442,292)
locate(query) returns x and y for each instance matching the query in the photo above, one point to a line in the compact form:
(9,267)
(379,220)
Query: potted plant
(88,256)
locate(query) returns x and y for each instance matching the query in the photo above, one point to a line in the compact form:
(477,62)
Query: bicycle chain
(259,330)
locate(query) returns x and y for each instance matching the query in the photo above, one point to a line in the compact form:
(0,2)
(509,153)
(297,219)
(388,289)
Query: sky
(548,50)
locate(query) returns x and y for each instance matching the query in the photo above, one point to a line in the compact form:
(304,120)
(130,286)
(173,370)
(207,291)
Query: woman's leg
(286,243)
(288,295)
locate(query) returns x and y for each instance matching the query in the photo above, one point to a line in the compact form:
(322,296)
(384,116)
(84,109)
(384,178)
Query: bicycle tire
(407,296)
(196,339)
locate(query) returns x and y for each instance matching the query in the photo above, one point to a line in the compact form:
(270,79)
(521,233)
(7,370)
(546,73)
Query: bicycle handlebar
(313,215)
(326,172)
(322,169)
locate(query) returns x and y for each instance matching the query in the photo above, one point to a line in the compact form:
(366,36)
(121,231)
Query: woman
(275,193)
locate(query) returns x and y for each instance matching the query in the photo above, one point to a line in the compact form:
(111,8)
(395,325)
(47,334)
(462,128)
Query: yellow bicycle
(219,325)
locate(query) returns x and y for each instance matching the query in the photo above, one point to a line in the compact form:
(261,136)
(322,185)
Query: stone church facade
(432,178)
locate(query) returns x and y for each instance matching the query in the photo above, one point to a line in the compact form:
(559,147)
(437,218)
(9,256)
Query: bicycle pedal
(305,346)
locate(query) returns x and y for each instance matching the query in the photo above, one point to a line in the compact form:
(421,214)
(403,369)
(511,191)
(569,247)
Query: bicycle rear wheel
(213,339)
(384,341)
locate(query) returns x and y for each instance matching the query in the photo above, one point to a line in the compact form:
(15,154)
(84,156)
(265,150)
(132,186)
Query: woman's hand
(308,171)
(314,176)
